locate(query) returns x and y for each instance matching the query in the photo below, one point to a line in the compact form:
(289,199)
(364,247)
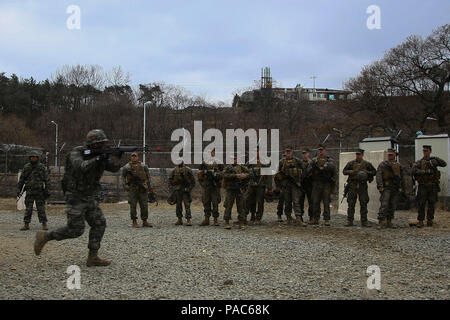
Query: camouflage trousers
(254,200)
(292,195)
(427,194)
(388,199)
(280,205)
(230,197)
(306,195)
(79,210)
(354,193)
(40,206)
(135,197)
(321,193)
(183,197)
(211,199)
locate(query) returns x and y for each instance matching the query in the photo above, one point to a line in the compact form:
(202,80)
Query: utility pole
(143,144)
(56,143)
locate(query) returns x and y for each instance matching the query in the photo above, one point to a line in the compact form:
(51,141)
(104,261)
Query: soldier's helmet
(362,176)
(33,153)
(96,136)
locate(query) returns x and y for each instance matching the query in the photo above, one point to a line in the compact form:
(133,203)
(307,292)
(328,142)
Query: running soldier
(35,181)
(183,181)
(390,183)
(84,168)
(306,186)
(427,174)
(136,181)
(359,172)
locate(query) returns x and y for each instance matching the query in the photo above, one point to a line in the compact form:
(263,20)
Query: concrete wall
(374,157)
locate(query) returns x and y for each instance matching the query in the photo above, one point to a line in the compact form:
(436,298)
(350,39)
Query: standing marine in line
(182,180)
(426,173)
(306,186)
(359,172)
(390,182)
(136,181)
(210,178)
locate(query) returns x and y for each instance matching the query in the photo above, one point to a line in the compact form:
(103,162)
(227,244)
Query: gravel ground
(271,261)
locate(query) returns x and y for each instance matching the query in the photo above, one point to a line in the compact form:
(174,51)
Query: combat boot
(289,219)
(350,223)
(299,221)
(94,260)
(253,217)
(312,221)
(188,222)
(420,224)
(364,224)
(179,222)
(429,223)
(135,224)
(389,223)
(227,224)
(326,223)
(241,225)
(44,226)
(380,224)
(26,226)
(216,222)
(205,222)
(280,219)
(40,241)
(257,222)
(146,224)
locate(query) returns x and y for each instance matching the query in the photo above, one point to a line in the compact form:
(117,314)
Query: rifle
(346,190)
(116,151)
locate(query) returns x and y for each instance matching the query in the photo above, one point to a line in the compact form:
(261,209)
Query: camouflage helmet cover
(34,153)
(362,176)
(96,136)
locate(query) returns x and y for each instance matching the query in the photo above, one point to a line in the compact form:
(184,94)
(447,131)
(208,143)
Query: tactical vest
(136,170)
(428,178)
(177,180)
(290,167)
(357,166)
(391,177)
(321,175)
(35,179)
(256,170)
(236,169)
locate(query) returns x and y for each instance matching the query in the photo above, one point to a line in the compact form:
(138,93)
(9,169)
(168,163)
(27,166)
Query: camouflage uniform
(291,167)
(358,188)
(210,178)
(137,178)
(235,191)
(254,197)
(306,192)
(322,172)
(426,173)
(389,179)
(36,180)
(81,185)
(183,181)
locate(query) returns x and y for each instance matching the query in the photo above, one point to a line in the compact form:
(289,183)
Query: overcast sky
(211,47)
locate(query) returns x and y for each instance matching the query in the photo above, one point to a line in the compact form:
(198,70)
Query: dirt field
(271,261)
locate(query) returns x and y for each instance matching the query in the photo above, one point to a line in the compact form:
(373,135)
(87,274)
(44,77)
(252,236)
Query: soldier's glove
(150,190)
(381,189)
(433,163)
